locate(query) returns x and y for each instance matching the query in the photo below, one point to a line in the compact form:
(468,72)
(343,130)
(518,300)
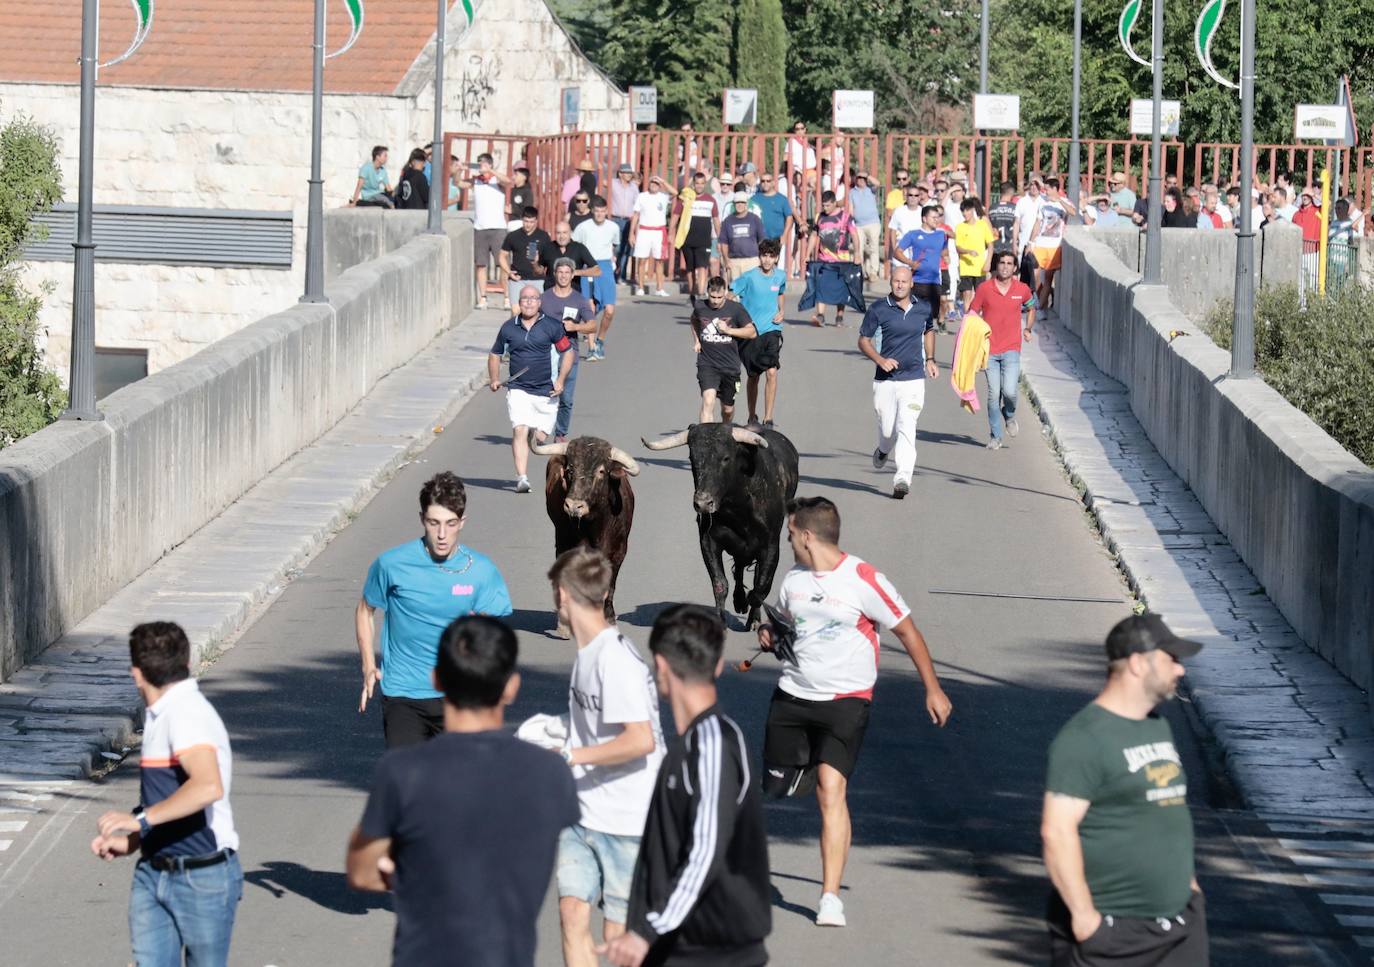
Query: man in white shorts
(532,389)
(649,236)
(615,745)
(819,711)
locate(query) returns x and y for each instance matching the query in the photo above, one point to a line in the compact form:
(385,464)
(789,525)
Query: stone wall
(1296,506)
(1199,267)
(86,507)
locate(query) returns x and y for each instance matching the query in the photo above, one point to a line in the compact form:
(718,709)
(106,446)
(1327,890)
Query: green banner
(1125,25)
(355,19)
(143,22)
(1207,23)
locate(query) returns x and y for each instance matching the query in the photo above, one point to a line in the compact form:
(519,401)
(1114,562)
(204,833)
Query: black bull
(743,481)
(589,499)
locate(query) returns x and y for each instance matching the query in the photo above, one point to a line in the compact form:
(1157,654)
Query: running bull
(588,496)
(744,480)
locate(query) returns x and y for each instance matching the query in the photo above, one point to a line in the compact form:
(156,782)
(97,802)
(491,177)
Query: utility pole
(1075,146)
(1154,274)
(438,167)
(314,219)
(980,165)
(1243,322)
(81,380)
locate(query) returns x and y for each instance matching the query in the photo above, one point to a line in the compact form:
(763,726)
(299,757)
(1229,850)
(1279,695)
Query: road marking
(1329,845)
(1335,862)
(1353,920)
(1330,859)
(5,844)
(1346,900)
(13,826)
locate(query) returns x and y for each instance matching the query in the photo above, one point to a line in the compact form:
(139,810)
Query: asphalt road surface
(945,867)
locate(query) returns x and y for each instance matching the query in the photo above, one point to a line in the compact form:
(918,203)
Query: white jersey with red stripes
(838,614)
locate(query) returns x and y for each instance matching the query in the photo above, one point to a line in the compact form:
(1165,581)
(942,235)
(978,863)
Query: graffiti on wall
(477,86)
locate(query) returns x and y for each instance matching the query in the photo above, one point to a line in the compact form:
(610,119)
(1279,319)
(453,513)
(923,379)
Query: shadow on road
(323,888)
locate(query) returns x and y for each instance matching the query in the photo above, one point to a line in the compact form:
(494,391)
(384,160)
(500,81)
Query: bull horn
(547,449)
(625,460)
(678,439)
(742,435)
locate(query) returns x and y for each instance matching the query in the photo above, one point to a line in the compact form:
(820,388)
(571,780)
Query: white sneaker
(522,485)
(639,290)
(831,912)
(663,293)
(1013,427)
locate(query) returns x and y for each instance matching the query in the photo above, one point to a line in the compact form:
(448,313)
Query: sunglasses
(766,181)
(582,201)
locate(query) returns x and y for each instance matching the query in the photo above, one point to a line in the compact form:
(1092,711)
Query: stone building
(213,112)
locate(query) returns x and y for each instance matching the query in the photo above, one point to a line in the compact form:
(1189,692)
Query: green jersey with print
(1138,833)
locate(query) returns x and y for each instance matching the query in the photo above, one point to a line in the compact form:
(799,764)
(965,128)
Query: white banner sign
(1321,122)
(1143,119)
(572,106)
(643,105)
(741,105)
(853,109)
(996,112)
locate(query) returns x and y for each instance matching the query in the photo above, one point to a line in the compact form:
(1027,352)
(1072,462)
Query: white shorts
(651,243)
(535,412)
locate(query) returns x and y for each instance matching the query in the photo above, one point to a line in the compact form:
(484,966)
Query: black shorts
(723,383)
(944,279)
(696,258)
(932,293)
(1180,941)
(801,733)
(762,353)
(410,721)
(967,283)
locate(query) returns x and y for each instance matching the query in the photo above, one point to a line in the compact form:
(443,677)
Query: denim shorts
(596,866)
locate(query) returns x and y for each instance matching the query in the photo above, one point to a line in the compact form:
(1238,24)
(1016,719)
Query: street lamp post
(438,168)
(1075,147)
(1243,322)
(314,219)
(81,381)
(1154,274)
(980,164)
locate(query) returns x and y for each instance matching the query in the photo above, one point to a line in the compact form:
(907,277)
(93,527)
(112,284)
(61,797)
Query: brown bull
(589,499)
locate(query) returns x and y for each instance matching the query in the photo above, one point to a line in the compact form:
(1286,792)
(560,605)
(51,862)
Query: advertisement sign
(572,106)
(1321,122)
(1143,121)
(996,112)
(741,105)
(643,105)
(853,109)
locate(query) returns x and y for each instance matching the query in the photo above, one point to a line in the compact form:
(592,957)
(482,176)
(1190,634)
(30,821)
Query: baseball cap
(1141,633)
(745,168)
(624,167)
(741,196)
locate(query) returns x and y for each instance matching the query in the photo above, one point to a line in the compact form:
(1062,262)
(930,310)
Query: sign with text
(572,106)
(1143,117)
(741,105)
(643,105)
(1321,122)
(997,112)
(852,109)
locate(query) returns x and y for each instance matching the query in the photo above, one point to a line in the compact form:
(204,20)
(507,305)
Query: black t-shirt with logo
(524,249)
(1003,216)
(413,190)
(719,352)
(521,197)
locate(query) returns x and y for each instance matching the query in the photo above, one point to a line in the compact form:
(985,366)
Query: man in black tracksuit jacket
(701,890)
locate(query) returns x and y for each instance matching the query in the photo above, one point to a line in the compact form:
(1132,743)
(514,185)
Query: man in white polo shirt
(488,221)
(188,880)
(819,712)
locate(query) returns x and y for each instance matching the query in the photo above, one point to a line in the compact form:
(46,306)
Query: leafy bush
(1319,359)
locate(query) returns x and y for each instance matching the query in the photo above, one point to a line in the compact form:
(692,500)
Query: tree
(31,397)
(760,58)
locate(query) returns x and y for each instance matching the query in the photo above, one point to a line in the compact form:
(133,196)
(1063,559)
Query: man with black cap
(1118,836)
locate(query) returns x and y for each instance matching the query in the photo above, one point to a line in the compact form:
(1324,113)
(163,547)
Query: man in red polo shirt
(1000,301)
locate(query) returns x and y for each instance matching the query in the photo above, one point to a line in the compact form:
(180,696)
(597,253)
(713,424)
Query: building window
(117,368)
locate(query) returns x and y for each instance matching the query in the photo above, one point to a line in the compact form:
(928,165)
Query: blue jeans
(1004,375)
(597,867)
(565,402)
(191,910)
(622,251)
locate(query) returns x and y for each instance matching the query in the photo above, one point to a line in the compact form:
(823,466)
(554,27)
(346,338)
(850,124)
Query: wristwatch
(566,753)
(144,827)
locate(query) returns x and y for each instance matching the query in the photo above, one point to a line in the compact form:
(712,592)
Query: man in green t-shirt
(1117,832)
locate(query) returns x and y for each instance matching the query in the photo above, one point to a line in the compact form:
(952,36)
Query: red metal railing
(1102,157)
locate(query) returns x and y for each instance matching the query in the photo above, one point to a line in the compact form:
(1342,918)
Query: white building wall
(251,150)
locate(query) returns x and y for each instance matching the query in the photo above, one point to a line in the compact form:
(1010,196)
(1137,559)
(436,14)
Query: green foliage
(30,396)
(760,59)
(1317,358)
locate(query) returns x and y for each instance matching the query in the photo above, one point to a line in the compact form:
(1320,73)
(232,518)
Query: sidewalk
(1295,733)
(75,710)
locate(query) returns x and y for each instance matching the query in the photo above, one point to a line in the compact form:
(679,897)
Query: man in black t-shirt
(521,196)
(471,807)
(1003,217)
(520,251)
(703,224)
(412,189)
(718,328)
(563,247)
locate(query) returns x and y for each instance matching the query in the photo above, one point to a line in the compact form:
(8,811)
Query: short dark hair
(974,202)
(1052,183)
(716,283)
(598,201)
(740,186)
(827,196)
(931,208)
(691,640)
(770,246)
(819,515)
(418,154)
(485,156)
(445,489)
(1005,187)
(529,211)
(476,659)
(378,151)
(160,650)
(998,257)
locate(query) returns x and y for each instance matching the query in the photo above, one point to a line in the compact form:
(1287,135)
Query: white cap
(741,196)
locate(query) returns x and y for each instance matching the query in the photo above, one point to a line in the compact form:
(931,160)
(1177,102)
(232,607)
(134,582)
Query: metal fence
(217,238)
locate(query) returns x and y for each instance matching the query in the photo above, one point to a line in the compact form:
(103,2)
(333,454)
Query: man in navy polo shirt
(532,390)
(422,586)
(907,360)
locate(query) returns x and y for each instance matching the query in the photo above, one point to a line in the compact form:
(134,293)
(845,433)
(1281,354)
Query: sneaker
(522,485)
(639,290)
(879,459)
(480,304)
(830,912)
(598,352)
(768,424)
(899,490)
(663,294)
(505,305)
(995,443)
(1013,427)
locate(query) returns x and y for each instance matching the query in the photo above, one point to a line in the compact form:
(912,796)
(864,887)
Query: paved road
(945,867)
